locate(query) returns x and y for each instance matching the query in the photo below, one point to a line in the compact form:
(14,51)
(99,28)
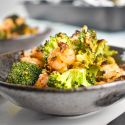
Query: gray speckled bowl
(60,102)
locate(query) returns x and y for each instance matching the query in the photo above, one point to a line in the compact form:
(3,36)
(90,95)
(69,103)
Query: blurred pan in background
(107,18)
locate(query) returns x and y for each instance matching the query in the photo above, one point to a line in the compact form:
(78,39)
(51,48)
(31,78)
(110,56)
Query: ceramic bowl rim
(81,89)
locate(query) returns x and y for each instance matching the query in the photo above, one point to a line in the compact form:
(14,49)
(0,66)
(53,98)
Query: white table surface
(11,114)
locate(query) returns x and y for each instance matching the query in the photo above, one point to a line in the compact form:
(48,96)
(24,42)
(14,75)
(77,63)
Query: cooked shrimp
(68,56)
(42,81)
(33,53)
(36,53)
(32,60)
(55,62)
(8,24)
(20,21)
(112,72)
(26,54)
(61,57)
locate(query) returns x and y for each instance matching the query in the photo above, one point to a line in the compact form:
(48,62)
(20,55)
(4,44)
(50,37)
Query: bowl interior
(7,59)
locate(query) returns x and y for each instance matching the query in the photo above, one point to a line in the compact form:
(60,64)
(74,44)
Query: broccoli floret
(53,82)
(109,52)
(53,43)
(72,78)
(13,17)
(91,74)
(23,73)
(50,45)
(2,35)
(90,50)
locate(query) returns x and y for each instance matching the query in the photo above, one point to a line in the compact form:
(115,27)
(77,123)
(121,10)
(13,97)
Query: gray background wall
(11,6)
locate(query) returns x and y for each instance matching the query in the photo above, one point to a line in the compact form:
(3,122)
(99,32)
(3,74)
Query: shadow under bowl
(60,102)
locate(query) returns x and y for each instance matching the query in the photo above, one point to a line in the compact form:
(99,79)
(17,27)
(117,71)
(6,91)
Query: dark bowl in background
(101,18)
(23,42)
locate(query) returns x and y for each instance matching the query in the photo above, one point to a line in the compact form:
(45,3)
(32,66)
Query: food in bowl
(65,62)
(15,26)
